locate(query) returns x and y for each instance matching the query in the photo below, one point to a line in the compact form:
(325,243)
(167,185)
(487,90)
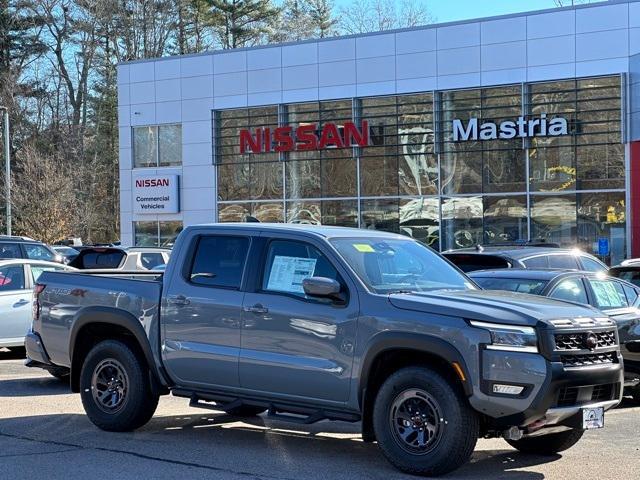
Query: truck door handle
(179,300)
(21,302)
(257,308)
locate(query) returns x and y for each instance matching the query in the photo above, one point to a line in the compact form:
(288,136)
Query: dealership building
(503,129)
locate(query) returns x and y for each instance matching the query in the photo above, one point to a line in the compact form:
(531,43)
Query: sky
(453,10)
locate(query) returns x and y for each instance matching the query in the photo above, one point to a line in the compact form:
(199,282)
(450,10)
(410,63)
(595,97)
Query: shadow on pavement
(222,443)
(33,387)
(13,354)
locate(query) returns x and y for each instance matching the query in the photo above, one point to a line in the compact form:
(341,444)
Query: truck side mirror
(322,287)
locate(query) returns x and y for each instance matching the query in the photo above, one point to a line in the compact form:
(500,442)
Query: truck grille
(575,341)
(588,359)
(570,396)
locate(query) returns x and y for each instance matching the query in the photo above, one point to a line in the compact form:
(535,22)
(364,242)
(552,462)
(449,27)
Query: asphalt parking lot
(44,433)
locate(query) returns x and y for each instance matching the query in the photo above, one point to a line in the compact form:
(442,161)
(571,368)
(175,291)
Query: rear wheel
(245,411)
(548,444)
(115,387)
(423,424)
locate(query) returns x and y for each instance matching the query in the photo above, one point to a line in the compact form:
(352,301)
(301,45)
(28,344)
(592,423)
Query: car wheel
(245,411)
(424,426)
(115,387)
(549,444)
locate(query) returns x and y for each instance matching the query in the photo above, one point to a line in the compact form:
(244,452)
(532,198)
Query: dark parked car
(617,298)
(24,247)
(629,272)
(68,253)
(491,257)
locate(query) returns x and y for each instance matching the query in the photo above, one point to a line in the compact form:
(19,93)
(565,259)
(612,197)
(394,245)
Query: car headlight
(510,337)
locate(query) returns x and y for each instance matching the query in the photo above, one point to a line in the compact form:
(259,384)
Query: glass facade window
(157,146)
(414,179)
(156,233)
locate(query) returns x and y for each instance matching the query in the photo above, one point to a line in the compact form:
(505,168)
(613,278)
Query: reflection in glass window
(505,219)
(170,145)
(157,146)
(382,214)
(461,222)
(156,234)
(520,285)
(420,219)
(553,219)
(145,234)
(145,147)
(601,217)
(12,278)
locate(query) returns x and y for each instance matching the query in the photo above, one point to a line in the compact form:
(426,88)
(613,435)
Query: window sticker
(607,295)
(287,273)
(363,247)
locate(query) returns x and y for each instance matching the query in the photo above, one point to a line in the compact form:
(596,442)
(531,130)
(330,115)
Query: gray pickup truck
(313,323)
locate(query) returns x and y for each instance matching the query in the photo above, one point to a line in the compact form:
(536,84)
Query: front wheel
(549,444)
(115,387)
(423,424)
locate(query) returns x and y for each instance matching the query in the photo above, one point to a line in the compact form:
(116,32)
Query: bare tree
(362,16)
(46,178)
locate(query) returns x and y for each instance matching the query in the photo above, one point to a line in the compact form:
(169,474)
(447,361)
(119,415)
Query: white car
(17,279)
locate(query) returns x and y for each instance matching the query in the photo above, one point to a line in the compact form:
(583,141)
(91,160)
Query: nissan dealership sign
(308,136)
(156,194)
(520,128)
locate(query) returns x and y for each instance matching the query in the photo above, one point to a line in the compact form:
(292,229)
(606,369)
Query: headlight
(510,337)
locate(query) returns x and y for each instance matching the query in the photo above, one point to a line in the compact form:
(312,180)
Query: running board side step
(276,411)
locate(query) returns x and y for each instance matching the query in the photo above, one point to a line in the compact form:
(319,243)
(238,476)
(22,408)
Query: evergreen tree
(241,23)
(321,19)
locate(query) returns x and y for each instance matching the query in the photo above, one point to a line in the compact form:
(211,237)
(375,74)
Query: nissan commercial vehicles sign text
(156,194)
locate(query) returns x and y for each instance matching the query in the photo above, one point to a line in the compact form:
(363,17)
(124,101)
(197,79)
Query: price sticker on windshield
(364,247)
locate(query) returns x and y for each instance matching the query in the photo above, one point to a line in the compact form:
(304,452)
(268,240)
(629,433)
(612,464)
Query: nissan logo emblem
(590,341)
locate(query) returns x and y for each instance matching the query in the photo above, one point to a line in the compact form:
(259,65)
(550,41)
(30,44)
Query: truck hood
(495,306)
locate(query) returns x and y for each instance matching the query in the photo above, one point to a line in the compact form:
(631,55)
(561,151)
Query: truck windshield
(398,265)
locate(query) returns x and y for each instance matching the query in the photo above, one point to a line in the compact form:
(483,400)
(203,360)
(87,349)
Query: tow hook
(513,433)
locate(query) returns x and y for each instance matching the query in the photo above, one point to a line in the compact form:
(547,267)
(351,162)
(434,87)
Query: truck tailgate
(66,294)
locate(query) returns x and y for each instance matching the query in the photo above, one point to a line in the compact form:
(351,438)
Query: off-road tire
(245,411)
(138,402)
(548,444)
(458,425)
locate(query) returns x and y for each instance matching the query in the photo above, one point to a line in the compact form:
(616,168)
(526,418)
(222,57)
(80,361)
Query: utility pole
(7,168)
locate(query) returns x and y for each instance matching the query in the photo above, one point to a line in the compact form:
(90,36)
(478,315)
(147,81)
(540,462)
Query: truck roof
(324,231)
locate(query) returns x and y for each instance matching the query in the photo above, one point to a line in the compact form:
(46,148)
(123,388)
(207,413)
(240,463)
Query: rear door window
(520,285)
(12,278)
(150,260)
(563,262)
(571,289)
(38,252)
(37,270)
(609,294)
(536,262)
(10,250)
(590,265)
(631,293)
(219,261)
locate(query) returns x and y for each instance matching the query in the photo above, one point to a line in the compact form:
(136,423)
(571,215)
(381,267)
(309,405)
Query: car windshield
(398,265)
(522,285)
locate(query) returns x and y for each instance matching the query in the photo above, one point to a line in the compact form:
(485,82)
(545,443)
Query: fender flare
(121,318)
(390,340)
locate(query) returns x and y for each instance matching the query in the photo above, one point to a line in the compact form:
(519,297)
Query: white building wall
(595,39)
